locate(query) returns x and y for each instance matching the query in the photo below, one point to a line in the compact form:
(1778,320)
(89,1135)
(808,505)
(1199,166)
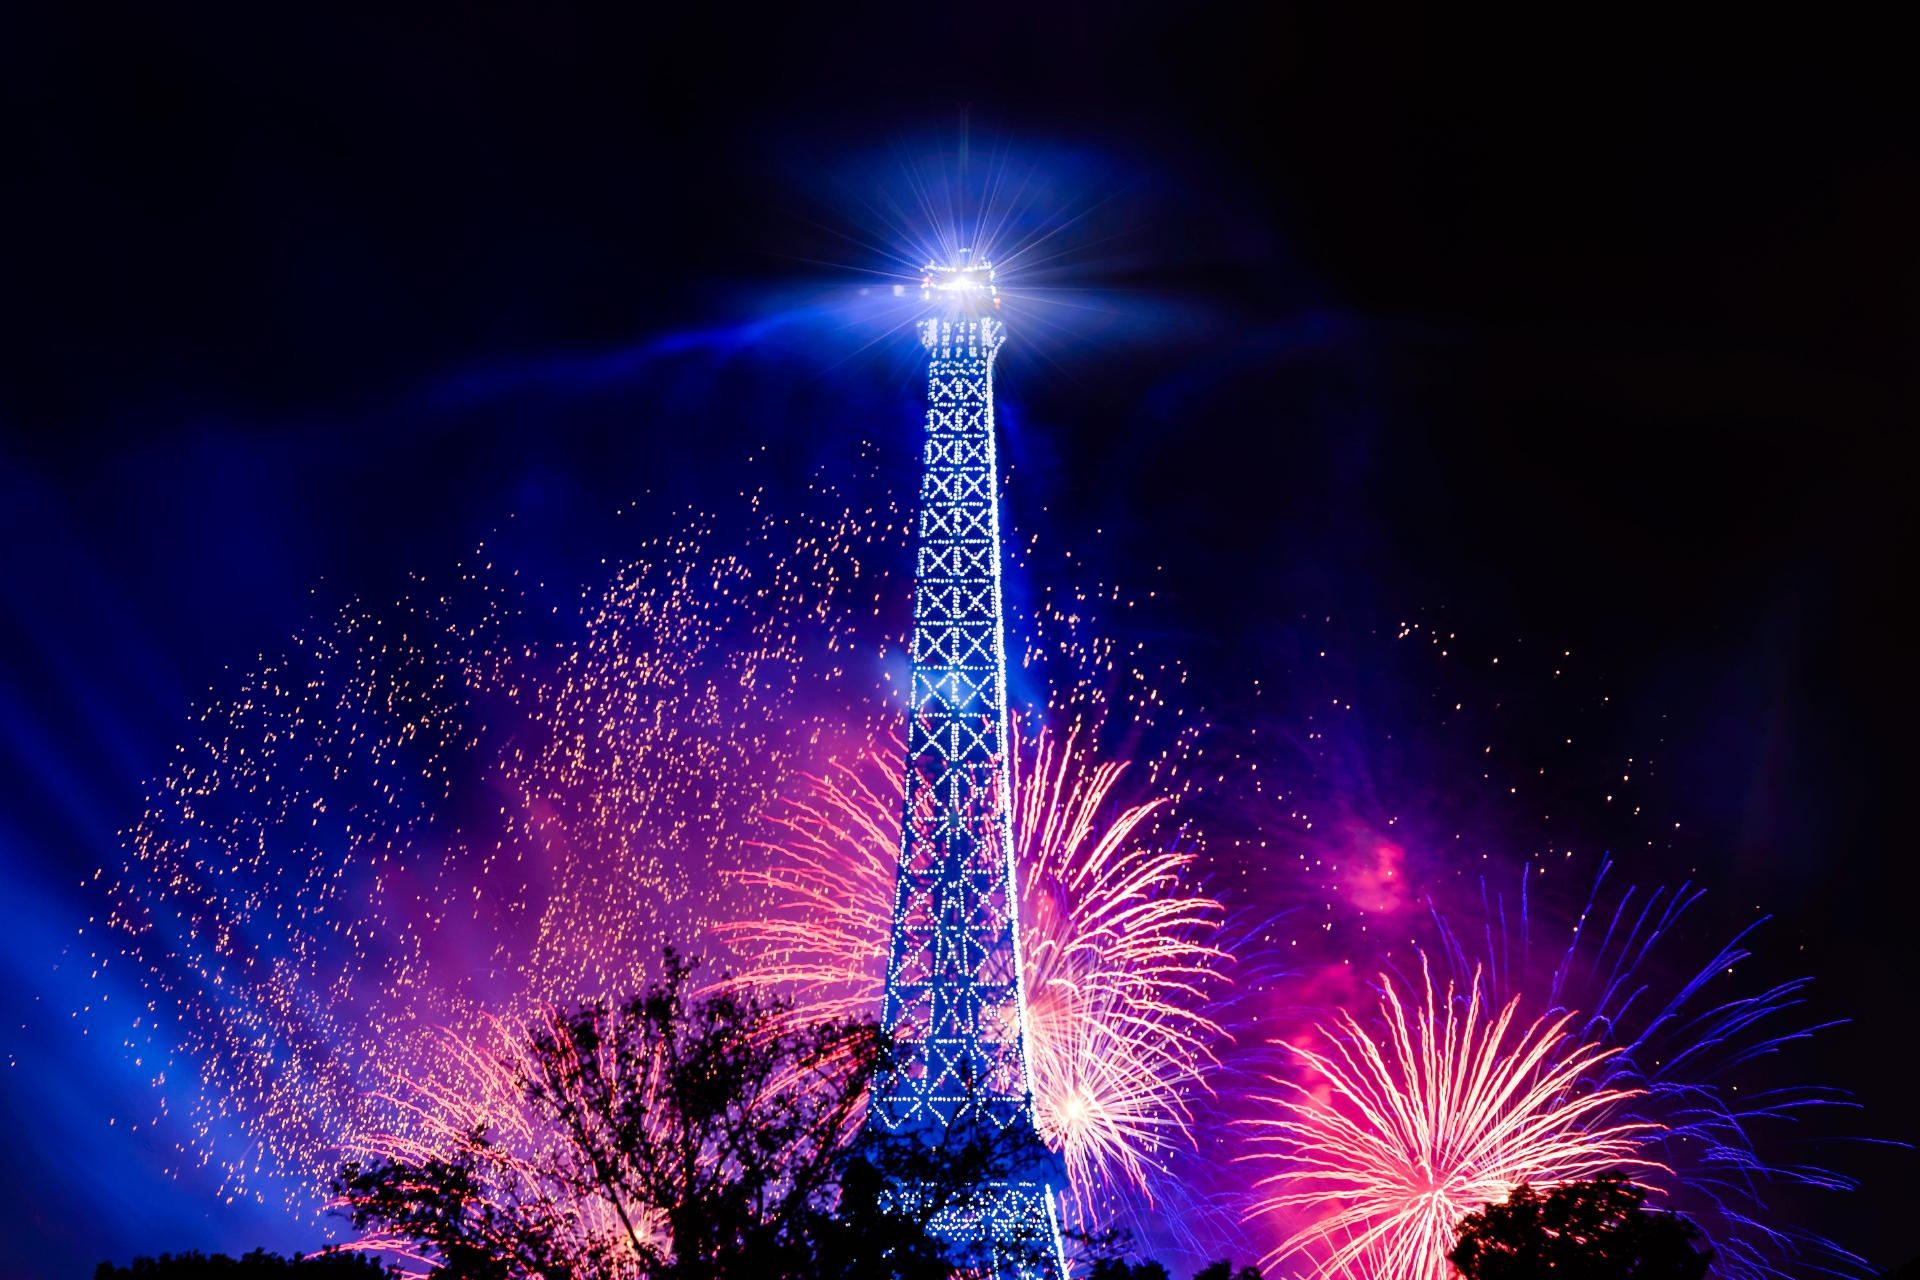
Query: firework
(1688,1064)
(1119,948)
(1690,1059)
(1406,1127)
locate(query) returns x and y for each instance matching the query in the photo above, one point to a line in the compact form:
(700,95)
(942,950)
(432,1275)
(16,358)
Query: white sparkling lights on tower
(953,1001)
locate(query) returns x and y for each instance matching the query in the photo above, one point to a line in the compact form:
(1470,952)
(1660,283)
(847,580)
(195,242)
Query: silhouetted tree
(1595,1230)
(688,1137)
(1121,1269)
(1223,1270)
(258,1265)
(1114,1268)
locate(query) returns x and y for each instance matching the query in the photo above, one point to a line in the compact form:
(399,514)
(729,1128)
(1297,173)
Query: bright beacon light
(964,285)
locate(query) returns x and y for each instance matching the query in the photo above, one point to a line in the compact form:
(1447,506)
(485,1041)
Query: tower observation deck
(953,1002)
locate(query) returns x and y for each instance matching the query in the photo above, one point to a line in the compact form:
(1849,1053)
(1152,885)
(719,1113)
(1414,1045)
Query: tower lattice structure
(954,1003)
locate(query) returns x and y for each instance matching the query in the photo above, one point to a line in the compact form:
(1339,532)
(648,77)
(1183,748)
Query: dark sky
(1594,329)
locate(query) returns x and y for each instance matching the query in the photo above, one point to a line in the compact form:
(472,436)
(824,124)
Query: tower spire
(954,1003)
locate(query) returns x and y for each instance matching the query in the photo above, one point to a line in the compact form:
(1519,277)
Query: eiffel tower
(954,1002)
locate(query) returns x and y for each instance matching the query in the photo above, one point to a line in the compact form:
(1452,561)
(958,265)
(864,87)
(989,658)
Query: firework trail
(1389,1146)
(1120,948)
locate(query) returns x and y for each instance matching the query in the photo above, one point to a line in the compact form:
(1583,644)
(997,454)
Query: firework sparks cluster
(417,823)
(376,861)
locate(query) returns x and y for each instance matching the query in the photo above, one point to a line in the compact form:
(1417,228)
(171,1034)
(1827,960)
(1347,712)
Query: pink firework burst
(1400,1130)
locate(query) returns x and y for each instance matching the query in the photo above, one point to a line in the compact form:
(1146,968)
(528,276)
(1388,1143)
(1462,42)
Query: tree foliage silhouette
(1595,1230)
(1121,1269)
(1115,1268)
(689,1136)
(1223,1270)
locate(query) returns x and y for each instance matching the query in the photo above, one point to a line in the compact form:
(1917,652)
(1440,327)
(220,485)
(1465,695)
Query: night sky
(1589,332)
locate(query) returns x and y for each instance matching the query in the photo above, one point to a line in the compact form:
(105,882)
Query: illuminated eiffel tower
(954,999)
